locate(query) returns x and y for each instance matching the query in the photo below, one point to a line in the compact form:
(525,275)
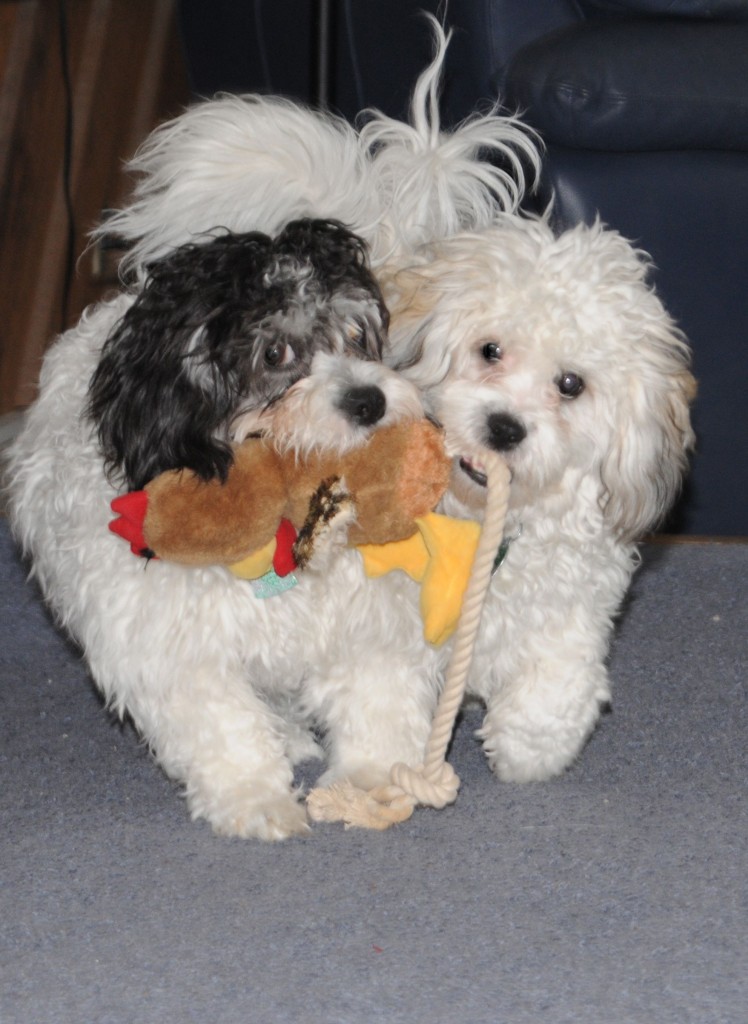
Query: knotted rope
(434,783)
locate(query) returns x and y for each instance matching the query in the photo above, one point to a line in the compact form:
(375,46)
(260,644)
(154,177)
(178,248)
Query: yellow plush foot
(440,558)
(451,545)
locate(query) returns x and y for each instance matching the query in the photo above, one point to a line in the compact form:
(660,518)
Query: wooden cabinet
(82,82)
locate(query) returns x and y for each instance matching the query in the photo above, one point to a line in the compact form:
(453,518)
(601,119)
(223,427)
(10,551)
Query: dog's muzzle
(364,405)
(504,432)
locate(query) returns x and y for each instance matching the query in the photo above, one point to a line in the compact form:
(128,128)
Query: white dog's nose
(504,432)
(364,405)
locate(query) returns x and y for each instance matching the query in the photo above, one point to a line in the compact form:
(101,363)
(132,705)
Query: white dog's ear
(643,471)
(414,296)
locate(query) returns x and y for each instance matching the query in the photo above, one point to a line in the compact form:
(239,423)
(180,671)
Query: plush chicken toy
(268,518)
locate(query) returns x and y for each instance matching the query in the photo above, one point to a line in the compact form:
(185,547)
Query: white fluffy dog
(554,352)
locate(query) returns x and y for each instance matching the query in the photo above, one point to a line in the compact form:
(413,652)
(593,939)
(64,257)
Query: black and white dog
(236,332)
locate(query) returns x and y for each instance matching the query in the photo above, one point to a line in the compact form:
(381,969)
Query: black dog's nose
(364,405)
(504,432)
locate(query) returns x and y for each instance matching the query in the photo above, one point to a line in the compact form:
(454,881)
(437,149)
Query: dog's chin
(473,471)
(468,482)
(469,485)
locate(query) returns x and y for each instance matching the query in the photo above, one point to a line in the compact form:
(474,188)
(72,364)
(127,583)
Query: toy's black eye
(569,384)
(279,354)
(491,352)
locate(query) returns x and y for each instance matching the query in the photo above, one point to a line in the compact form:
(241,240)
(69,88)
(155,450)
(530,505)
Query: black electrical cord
(323,61)
(260,33)
(67,164)
(358,80)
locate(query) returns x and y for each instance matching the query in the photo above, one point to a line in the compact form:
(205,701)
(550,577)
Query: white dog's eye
(279,354)
(571,385)
(491,352)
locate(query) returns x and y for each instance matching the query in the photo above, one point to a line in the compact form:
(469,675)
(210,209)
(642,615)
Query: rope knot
(435,787)
(386,805)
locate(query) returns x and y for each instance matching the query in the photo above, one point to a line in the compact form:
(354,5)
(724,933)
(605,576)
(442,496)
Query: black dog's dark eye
(279,354)
(571,385)
(491,352)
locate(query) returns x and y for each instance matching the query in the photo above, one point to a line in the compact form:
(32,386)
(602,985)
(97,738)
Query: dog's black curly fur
(223,326)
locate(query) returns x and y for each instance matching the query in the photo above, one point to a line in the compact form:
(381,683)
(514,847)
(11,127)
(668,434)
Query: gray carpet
(618,893)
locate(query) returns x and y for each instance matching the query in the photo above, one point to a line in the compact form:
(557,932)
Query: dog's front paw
(535,733)
(513,762)
(248,814)
(517,752)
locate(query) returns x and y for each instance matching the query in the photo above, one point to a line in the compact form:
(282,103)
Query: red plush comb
(283,559)
(131,510)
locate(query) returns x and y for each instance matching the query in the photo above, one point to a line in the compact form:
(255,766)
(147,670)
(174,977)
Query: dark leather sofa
(643,106)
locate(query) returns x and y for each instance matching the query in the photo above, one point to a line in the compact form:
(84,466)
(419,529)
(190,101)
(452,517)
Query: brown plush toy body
(267,518)
(398,476)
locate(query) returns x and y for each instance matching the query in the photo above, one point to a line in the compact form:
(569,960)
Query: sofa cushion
(671,8)
(636,85)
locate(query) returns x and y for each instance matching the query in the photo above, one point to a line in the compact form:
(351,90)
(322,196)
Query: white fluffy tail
(432,183)
(241,163)
(251,163)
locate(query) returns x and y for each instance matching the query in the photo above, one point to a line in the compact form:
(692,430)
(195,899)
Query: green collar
(503,549)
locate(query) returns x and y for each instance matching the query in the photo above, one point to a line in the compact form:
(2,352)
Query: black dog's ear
(150,412)
(167,381)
